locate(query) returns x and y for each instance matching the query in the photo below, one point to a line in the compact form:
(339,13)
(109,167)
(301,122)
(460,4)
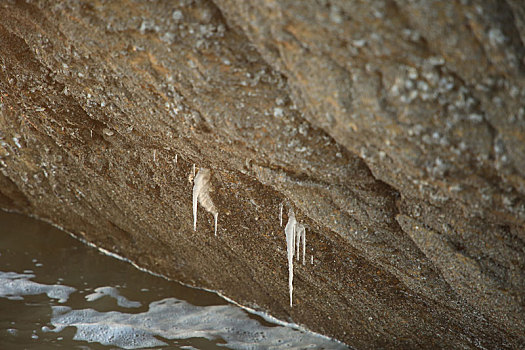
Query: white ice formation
(295,232)
(281,214)
(201,194)
(300,234)
(289,230)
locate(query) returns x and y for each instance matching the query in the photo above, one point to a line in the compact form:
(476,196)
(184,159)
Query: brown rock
(396,130)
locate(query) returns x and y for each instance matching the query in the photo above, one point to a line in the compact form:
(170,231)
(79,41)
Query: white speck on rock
(359,43)
(496,37)
(16,140)
(335,15)
(177,16)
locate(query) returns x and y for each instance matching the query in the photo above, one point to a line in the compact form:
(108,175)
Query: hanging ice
(281,214)
(304,244)
(289,230)
(300,234)
(295,232)
(298,230)
(201,194)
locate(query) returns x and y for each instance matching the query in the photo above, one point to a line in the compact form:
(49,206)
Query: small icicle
(193,170)
(154,156)
(311,259)
(215,218)
(304,243)
(294,228)
(289,230)
(175,159)
(196,189)
(281,214)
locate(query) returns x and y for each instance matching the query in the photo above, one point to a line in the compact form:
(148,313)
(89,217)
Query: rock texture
(394,128)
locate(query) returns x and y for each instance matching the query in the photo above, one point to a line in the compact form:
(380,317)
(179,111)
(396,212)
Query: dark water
(56,292)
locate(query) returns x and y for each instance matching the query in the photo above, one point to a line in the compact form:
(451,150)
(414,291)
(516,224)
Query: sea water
(56,292)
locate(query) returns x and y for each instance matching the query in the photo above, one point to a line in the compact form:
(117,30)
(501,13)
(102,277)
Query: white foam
(14,286)
(171,319)
(112,292)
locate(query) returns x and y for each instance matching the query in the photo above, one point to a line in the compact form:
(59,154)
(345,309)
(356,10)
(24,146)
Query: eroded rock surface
(395,129)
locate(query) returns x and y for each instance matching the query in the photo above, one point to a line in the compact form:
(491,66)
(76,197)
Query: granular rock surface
(394,129)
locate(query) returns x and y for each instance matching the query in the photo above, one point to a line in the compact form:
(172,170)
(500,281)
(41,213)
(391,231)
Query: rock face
(394,129)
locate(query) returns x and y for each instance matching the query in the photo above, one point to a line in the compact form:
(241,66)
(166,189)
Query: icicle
(299,229)
(193,170)
(304,243)
(215,218)
(311,259)
(196,190)
(175,159)
(294,228)
(281,214)
(289,230)
(154,156)
(201,194)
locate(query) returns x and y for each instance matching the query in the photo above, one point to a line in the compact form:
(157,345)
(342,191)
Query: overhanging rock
(394,129)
